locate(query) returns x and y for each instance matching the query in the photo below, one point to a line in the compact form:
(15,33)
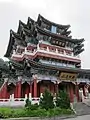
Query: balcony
(47,50)
(56,51)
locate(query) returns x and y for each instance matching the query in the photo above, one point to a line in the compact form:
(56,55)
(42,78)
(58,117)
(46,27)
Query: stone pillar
(30,96)
(19,87)
(35,85)
(12,97)
(26,96)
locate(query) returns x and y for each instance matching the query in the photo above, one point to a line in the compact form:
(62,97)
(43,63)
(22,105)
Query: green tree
(62,100)
(46,101)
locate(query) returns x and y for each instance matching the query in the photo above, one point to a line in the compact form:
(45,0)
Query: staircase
(81,108)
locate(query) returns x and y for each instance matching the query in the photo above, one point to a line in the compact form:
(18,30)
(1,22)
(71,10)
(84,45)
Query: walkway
(82,108)
(85,117)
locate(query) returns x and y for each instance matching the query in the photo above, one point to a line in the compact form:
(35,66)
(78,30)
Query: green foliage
(62,100)
(30,106)
(45,109)
(46,101)
(23,112)
(33,107)
(28,102)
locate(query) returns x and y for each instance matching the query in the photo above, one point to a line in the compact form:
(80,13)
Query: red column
(56,87)
(18,88)
(31,88)
(71,94)
(68,90)
(77,92)
(3,91)
(35,87)
(41,89)
(27,90)
(52,88)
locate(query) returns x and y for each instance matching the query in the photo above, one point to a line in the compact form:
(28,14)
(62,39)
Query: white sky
(73,12)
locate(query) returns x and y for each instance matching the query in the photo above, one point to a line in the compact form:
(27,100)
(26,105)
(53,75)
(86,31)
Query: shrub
(46,101)
(62,100)
(28,102)
(28,105)
(33,107)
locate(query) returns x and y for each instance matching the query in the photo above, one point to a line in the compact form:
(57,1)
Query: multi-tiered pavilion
(43,55)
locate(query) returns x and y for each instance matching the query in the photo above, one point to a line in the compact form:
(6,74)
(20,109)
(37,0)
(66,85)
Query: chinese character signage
(68,76)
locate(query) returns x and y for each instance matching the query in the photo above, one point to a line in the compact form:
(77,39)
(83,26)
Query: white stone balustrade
(45,50)
(16,102)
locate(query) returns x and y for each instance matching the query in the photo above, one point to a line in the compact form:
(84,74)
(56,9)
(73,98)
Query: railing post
(30,96)
(12,97)
(26,96)
(41,95)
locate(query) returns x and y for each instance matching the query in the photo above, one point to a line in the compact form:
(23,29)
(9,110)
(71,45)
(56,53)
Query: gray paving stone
(82,108)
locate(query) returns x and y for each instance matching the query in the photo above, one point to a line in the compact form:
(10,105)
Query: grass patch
(46,108)
(23,112)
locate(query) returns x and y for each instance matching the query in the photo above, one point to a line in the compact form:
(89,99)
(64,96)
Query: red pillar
(52,88)
(27,91)
(56,87)
(68,90)
(35,87)
(3,91)
(31,88)
(18,88)
(77,92)
(71,94)
(41,88)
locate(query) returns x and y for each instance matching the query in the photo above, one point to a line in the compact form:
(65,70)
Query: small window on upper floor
(53,29)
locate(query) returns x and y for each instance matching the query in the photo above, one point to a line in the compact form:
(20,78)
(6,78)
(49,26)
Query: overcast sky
(73,12)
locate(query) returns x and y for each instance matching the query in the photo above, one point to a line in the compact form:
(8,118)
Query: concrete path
(82,109)
(85,117)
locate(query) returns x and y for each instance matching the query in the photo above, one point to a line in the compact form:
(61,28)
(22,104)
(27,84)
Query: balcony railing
(56,52)
(47,50)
